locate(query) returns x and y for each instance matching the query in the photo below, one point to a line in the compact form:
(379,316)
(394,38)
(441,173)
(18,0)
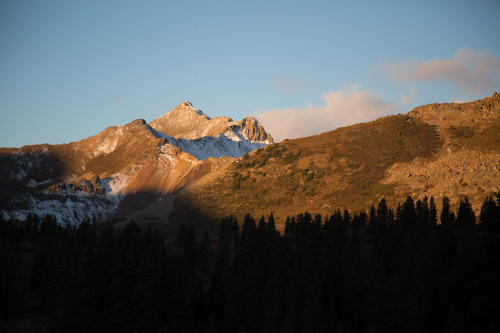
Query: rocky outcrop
(459,114)
(455,175)
(92,186)
(253,130)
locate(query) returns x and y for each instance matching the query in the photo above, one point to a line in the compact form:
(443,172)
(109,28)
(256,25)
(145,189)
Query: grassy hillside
(450,149)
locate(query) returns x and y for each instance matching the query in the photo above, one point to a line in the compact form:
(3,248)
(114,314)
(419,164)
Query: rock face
(122,169)
(92,187)
(253,130)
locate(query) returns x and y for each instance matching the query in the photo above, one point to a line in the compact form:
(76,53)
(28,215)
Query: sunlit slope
(441,149)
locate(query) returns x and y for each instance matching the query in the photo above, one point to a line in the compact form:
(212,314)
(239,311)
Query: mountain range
(188,166)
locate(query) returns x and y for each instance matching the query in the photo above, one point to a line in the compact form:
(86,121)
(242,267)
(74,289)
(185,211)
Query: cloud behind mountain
(342,107)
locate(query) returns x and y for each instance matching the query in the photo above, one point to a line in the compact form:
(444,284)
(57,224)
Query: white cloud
(470,70)
(341,108)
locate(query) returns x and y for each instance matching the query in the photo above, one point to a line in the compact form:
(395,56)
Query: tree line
(385,270)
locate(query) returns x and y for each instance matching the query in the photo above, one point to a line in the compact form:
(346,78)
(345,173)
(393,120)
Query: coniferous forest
(408,268)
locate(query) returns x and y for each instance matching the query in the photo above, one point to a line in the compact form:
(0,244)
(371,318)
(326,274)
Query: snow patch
(209,146)
(20,174)
(74,207)
(231,143)
(115,185)
(32,160)
(73,210)
(34,183)
(109,143)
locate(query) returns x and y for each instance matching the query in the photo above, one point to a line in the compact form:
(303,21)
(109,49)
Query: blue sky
(69,69)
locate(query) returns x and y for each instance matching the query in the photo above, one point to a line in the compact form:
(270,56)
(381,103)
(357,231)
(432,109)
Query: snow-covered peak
(186,122)
(201,136)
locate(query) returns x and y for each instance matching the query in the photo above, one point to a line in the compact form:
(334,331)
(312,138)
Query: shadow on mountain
(25,177)
(165,212)
(24,174)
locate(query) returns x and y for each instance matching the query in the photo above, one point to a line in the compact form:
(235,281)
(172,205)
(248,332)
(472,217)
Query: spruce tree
(447,216)
(372,221)
(489,216)
(432,212)
(465,215)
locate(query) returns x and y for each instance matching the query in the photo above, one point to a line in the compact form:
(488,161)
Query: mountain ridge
(149,175)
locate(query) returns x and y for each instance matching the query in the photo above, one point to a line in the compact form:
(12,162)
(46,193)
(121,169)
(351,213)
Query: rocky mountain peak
(186,108)
(186,122)
(181,119)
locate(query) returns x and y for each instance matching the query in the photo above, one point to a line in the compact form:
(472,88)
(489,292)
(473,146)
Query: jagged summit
(254,130)
(186,122)
(180,120)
